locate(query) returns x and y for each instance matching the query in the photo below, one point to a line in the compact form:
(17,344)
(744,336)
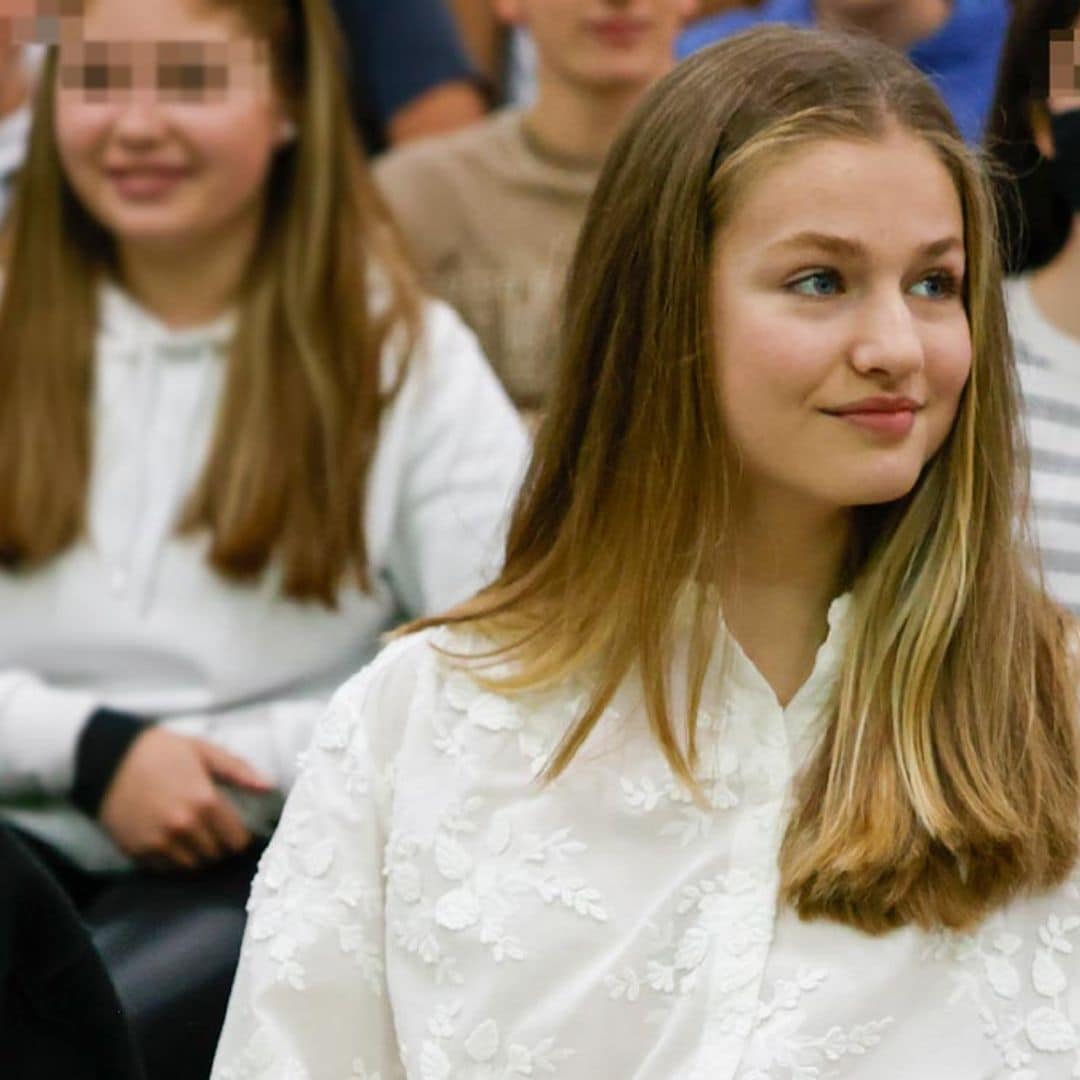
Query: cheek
(81,129)
(949,367)
(763,409)
(771,362)
(947,372)
(236,144)
(955,375)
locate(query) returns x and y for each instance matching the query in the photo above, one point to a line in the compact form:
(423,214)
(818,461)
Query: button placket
(742,925)
(118,460)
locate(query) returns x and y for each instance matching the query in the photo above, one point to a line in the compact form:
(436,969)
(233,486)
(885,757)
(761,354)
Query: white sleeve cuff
(39,731)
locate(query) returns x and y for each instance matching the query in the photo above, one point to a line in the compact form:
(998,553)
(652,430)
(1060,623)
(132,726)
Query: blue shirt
(961,58)
(397,50)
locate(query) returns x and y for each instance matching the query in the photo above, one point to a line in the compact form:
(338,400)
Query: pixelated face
(1064,69)
(167,119)
(842,341)
(26,12)
(601,44)
(36,22)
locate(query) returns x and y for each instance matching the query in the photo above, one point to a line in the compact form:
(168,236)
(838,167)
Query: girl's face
(1064,70)
(167,119)
(841,336)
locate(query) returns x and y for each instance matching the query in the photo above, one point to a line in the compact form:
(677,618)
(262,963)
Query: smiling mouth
(146,183)
(622,32)
(890,422)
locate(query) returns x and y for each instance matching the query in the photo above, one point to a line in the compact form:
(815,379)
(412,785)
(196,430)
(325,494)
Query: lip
(882,415)
(880,404)
(146,182)
(619,30)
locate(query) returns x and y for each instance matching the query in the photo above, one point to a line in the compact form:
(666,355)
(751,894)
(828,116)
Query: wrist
(103,744)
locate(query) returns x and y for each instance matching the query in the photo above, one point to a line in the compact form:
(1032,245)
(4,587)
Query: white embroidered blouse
(428,911)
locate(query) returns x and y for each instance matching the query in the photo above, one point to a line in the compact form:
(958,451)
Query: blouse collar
(124,320)
(741,672)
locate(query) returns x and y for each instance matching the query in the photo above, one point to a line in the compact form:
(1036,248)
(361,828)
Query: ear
(689,9)
(1039,117)
(509,12)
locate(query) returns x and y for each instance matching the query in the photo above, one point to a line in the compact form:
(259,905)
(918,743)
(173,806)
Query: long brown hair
(947,775)
(298,419)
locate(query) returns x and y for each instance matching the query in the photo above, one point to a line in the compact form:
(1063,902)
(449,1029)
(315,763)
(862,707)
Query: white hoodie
(133,618)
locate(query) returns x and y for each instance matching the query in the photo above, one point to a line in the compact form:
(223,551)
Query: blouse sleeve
(310,997)
(40,727)
(464,451)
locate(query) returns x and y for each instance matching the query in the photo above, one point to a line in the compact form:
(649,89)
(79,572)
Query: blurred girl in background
(1035,132)
(235,446)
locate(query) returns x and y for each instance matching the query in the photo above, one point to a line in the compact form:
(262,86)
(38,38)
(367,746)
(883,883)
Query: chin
(876,490)
(893,476)
(150,235)
(627,75)
(132,220)
(881,493)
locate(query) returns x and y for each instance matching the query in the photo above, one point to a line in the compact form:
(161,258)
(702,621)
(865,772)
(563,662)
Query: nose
(140,119)
(887,342)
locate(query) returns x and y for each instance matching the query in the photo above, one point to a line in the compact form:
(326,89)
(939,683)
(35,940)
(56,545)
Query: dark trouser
(170,943)
(60,1018)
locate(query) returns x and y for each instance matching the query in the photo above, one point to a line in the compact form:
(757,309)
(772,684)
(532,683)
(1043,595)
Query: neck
(1054,285)
(899,23)
(577,124)
(187,285)
(784,569)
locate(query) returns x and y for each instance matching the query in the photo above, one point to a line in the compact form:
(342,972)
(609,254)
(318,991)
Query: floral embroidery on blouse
(482,1053)
(481,874)
(430,909)
(994,968)
(287,908)
(780,1048)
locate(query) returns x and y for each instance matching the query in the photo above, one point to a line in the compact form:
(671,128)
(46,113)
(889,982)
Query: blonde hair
(946,779)
(298,420)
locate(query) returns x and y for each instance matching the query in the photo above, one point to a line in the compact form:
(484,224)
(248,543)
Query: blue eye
(818,283)
(937,286)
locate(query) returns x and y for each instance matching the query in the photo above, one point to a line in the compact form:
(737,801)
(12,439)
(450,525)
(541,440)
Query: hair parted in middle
(946,779)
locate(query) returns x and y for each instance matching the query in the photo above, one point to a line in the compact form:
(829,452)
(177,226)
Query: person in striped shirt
(1035,132)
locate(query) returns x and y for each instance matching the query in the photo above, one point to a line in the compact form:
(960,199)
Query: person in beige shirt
(492,212)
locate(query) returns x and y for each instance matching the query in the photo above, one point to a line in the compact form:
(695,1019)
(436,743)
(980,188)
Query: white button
(118,580)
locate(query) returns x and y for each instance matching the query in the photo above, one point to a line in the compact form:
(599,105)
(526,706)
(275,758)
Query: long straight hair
(946,779)
(298,419)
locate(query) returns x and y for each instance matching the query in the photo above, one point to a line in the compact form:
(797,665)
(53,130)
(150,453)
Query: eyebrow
(841,245)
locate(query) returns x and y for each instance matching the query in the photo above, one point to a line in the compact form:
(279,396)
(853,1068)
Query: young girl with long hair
(760,758)
(235,446)
(1035,134)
